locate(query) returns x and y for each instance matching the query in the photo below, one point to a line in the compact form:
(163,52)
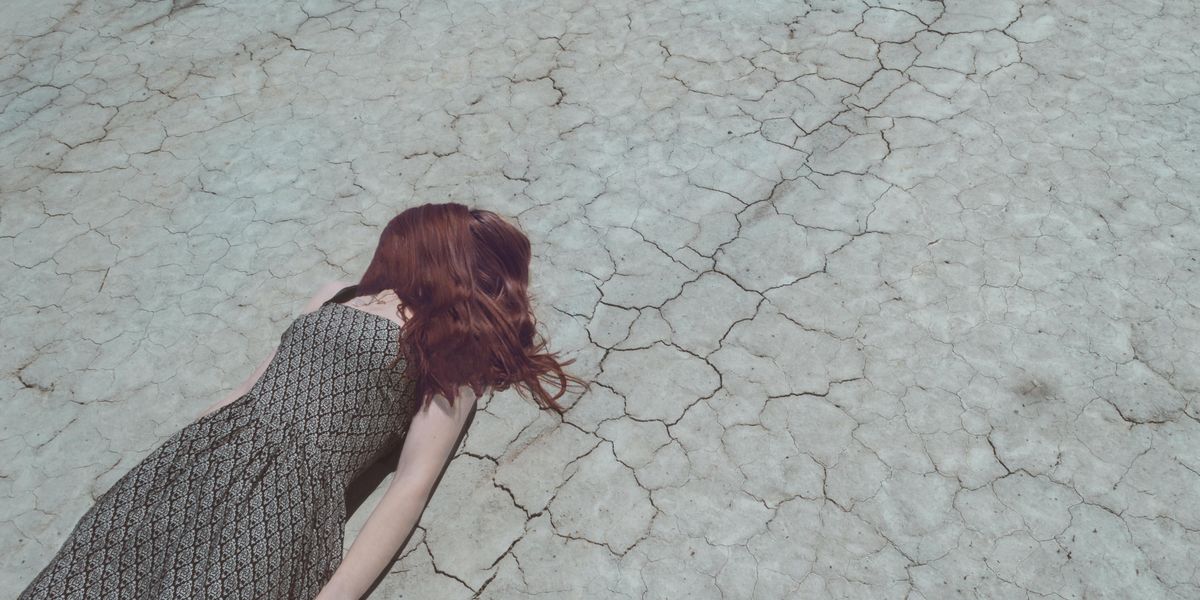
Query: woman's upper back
(331,391)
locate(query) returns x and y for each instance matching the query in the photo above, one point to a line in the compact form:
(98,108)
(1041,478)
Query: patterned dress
(249,501)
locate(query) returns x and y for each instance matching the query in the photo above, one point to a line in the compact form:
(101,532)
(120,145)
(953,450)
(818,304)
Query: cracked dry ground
(894,299)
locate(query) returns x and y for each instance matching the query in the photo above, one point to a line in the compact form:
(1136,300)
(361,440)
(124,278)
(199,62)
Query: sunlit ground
(892,301)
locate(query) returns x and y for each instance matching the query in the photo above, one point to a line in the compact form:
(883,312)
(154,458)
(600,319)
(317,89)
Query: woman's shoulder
(332,287)
(326,291)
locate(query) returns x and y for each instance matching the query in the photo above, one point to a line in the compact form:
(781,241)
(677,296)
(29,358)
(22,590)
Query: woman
(249,501)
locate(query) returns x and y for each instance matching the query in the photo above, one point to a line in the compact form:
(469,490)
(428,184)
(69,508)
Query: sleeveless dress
(249,501)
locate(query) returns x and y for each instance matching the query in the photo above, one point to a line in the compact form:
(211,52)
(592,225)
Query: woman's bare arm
(324,293)
(431,438)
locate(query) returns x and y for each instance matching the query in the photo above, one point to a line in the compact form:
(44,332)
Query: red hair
(464,276)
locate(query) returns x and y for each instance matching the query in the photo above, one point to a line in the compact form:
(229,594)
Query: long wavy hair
(463,274)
